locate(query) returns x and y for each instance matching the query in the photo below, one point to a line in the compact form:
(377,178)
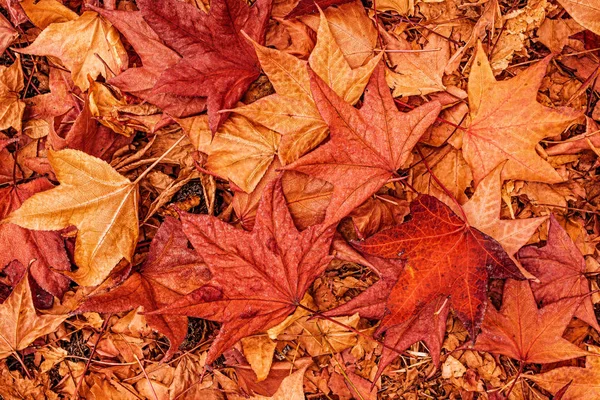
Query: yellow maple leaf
(95,50)
(240,151)
(20,323)
(100,202)
(292,111)
(45,12)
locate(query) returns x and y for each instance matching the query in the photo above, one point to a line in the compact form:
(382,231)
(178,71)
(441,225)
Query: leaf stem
(159,159)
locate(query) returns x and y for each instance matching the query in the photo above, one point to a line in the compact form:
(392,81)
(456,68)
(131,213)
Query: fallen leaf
(560,268)
(275,262)
(292,111)
(291,388)
(20,323)
(367,146)
(11,105)
(43,13)
(240,150)
(43,252)
(259,350)
(416,73)
(95,50)
(100,202)
(170,271)
(156,58)
(586,12)
(8,34)
(511,125)
(584,382)
(528,334)
(312,6)
(483,213)
(218,62)
(444,257)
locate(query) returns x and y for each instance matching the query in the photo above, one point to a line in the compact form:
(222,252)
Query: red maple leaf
(259,277)
(170,271)
(444,257)
(367,146)
(560,268)
(45,251)
(522,331)
(218,62)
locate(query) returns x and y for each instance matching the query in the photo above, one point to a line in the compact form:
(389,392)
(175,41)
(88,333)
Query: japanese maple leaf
(522,331)
(259,277)
(171,270)
(156,58)
(42,251)
(506,123)
(367,146)
(444,257)
(218,62)
(560,269)
(583,383)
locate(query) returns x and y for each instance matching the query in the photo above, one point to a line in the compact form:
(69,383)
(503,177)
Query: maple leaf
(483,213)
(585,12)
(11,105)
(100,202)
(59,101)
(367,146)
(584,383)
(528,334)
(95,50)
(260,276)
(240,150)
(444,257)
(42,13)
(428,325)
(156,58)
(171,270)
(43,252)
(416,73)
(506,123)
(20,323)
(218,62)
(8,34)
(292,111)
(560,269)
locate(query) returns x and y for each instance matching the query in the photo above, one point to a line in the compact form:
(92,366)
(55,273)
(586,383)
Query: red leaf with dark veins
(259,277)
(560,268)
(444,257)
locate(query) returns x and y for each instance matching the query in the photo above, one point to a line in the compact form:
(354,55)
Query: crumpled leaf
(95,198)
(95,50)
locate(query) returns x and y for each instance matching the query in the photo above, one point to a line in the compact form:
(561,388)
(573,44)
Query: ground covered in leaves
(283,200)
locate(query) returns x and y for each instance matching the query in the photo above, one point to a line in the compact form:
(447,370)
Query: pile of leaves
(295,199)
